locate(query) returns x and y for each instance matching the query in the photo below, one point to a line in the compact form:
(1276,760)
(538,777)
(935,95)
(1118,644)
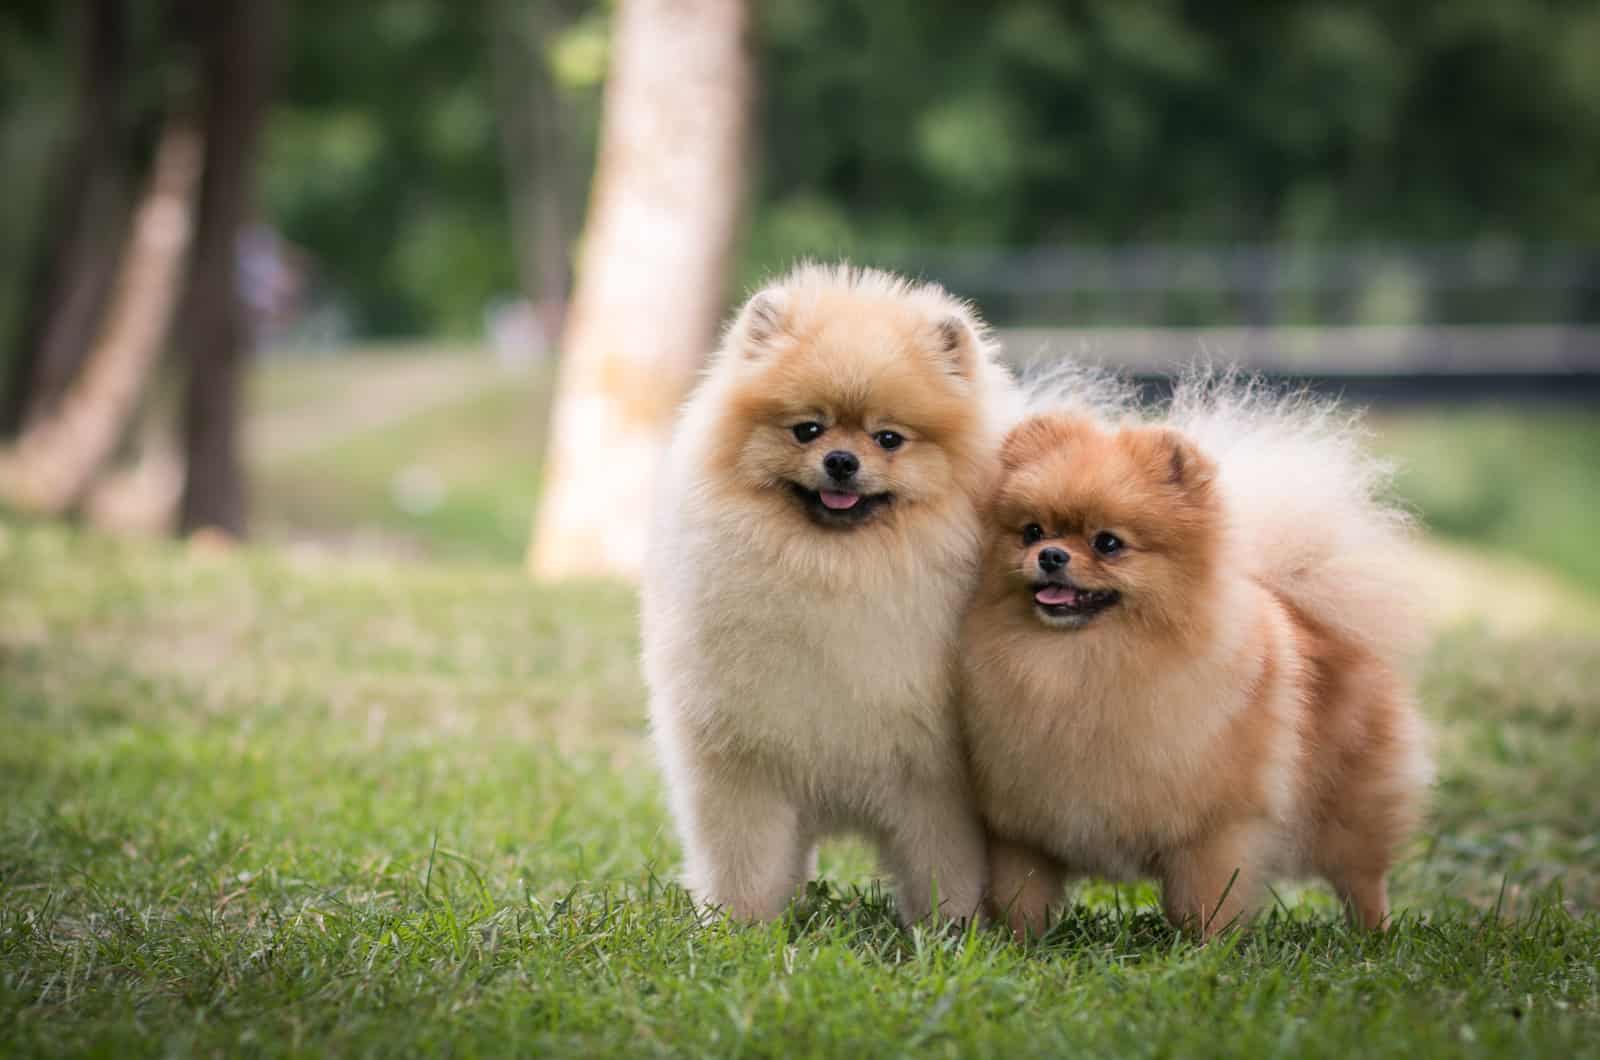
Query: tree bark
(213,329)
(81,237)
(651,277)
(56,456)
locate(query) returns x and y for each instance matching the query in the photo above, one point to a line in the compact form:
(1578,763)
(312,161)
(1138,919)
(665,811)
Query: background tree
(61,451)
(653,275)
(235,45)
(86,216)
(91,353)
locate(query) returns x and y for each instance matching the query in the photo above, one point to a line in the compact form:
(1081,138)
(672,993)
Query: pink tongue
(839,501)
(1055,594)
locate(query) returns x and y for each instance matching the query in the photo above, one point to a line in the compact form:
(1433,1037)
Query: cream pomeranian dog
(1186,659)
(816,540)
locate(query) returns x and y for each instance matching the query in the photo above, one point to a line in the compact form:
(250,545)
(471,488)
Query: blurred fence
(1264,286)
(1479,319)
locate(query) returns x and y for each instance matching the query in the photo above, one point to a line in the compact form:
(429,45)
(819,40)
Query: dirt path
(303,407)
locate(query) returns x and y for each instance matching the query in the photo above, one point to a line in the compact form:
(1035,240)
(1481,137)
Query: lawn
(399,800)
(272,804)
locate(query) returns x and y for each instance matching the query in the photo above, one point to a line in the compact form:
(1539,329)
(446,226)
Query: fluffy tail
(1309,506)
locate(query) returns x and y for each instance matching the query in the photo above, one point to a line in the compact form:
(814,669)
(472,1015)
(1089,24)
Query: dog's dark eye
(1032,533)
(808,431)
(1107,544)
(889,439)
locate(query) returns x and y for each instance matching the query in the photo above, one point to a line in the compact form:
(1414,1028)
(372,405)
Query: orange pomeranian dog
(816,538)
(1185,661)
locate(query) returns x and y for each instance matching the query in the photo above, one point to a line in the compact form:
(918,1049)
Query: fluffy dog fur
(800,653)
(1215,697)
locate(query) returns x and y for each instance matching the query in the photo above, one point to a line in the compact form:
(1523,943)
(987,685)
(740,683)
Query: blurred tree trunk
(213,330)
(80,238)
(537,147)
(652,275)
(59,453)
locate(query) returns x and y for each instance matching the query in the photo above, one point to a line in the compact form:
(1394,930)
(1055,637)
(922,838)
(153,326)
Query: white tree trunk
(57,457)
(652,274)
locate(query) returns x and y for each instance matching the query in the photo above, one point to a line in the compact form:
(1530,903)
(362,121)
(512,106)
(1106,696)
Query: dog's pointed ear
(762,320)
(956,346)
(1176,460)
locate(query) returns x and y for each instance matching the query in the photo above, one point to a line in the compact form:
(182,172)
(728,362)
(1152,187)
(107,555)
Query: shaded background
(901,131)
(1400,202)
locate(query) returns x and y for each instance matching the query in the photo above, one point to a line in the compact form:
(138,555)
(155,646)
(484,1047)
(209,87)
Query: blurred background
(382,277)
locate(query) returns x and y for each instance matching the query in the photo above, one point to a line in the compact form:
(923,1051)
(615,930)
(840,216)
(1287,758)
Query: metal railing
(1481,319)
(1263,286)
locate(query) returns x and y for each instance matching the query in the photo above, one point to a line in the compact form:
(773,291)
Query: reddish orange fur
(1202,731)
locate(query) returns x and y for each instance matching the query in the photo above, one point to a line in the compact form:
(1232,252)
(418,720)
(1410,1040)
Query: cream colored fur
(801,680)
(1307,497)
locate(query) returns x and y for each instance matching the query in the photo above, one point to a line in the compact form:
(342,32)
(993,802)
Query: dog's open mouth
(1064,601)
(839,508)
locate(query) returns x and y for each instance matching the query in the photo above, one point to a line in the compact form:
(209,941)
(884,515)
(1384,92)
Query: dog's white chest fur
(791,701)
(826,678)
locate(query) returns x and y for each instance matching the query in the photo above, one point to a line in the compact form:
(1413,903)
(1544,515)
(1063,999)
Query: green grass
(481,454)
(471,433)
(269,803)
(1520,480)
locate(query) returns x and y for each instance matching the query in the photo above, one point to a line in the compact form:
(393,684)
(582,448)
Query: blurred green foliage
(904,124)
(898,126)
(382,161)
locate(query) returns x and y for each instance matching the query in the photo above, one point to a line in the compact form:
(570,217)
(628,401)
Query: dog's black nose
(1053,559)
(840,465)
